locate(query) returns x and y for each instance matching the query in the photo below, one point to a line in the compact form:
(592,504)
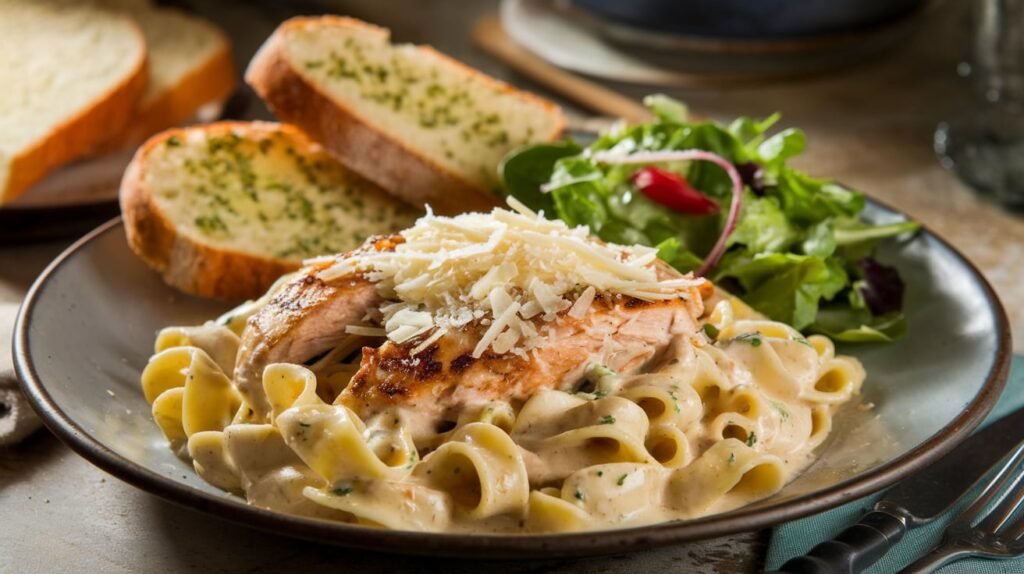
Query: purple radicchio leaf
(882,287)
(752,176)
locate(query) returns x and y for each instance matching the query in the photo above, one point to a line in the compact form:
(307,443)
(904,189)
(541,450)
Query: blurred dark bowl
(751,19)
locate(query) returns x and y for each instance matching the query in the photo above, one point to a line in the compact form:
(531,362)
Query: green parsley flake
(783,412)
(607,420)
(173,141)
(802,340)
(579,494)
(342,490)
(675,400)
(711,331)
(622,479)
(751,439)
(754,338)
(732,458)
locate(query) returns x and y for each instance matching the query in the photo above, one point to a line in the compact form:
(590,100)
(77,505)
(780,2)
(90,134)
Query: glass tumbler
(984,144)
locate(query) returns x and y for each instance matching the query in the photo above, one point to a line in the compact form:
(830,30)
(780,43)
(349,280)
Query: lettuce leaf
(523,173)
(859,326)
(796,250)
(785,286)
(764,227)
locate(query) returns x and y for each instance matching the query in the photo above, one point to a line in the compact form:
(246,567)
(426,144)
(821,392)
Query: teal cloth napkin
(797,537)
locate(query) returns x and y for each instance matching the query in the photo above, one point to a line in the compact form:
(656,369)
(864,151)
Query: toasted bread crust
(79,134)
(185,263)
(214,81)
(386,161)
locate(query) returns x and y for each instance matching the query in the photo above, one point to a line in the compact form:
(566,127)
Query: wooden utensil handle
(492,38)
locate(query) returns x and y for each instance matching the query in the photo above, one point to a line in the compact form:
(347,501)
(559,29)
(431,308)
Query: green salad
(790,245)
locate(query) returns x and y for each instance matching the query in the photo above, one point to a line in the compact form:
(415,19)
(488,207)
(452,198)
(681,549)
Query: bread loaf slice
(421,125)
(190,65)
(224,209)
(71,73)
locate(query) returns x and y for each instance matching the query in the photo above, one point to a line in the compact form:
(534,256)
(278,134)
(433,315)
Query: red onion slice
(690,155)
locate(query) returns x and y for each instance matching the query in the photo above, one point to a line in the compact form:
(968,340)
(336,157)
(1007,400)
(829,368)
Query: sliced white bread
(224,209)
(71,73)
(190,66)
(418,123)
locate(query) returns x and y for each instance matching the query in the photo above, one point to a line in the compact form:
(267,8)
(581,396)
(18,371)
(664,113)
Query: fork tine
(992,490)
(963,538)
(1015,531)
(1014,497)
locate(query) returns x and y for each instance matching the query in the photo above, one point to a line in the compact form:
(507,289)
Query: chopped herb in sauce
(751,439)
(599,473)
(607,420)
(711,331)
(783,412)
(732,458)
(579,494)
(173,141)
(753,338)
(675,400)
(597,381)
(342,490)
(622,479)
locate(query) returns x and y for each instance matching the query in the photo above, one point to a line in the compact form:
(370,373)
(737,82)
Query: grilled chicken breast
(308,317)
(619,332)
(304,319)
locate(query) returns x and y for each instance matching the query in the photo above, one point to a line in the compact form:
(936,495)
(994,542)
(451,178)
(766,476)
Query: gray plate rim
(507,546)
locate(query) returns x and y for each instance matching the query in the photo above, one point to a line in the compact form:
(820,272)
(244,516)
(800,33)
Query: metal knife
(912,502)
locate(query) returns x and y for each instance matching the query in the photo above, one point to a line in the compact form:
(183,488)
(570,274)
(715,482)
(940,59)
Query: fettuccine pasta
(726,416)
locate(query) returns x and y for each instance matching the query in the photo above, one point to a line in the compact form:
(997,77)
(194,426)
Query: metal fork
(996,534)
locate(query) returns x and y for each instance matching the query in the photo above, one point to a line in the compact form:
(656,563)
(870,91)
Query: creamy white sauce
(706,428)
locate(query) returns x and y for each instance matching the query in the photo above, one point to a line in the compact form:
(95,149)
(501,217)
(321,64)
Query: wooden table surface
(869,127)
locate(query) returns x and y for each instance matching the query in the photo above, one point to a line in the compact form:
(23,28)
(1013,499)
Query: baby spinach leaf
(797,252)
(524,171)
(763,227)
(782,146)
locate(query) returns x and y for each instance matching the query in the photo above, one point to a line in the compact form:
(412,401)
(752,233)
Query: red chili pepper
(672,191)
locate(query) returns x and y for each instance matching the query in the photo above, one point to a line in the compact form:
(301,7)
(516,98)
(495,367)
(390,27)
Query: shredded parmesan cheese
(428,341)
(582,304)
(504,271)
(365,331)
